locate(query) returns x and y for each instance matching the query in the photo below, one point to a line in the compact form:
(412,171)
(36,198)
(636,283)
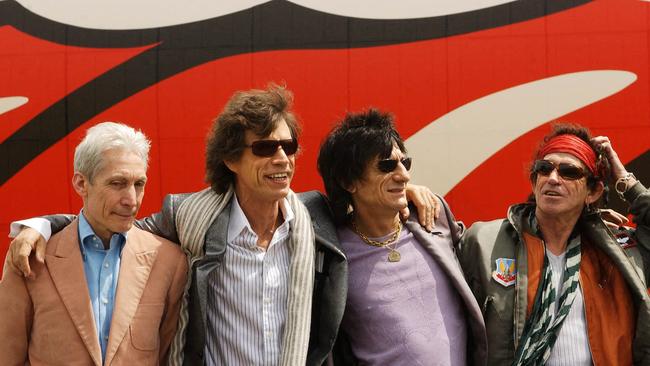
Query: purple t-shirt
(401,313)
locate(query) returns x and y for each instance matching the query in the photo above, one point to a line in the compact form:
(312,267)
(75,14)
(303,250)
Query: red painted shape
(45,72)
(419,82)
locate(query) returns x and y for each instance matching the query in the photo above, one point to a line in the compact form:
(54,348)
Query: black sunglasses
(266,148)
(388,165)
(564,170)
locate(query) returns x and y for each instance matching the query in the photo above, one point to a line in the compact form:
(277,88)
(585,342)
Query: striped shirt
(247,295)
(572,345)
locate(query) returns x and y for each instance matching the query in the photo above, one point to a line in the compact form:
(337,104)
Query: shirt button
(106,265)
(104,301)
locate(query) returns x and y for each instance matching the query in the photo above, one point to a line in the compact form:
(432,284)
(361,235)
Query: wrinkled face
(557,196)
(113,198)
(264,179)
(380,192)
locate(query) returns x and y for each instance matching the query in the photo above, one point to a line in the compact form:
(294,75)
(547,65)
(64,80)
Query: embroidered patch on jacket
(506,272)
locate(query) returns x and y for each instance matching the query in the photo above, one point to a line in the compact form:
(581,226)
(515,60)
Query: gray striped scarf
(196,214)
(541,329)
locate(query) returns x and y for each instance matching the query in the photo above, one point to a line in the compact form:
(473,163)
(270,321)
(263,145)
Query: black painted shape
(280,24)
(271,26)
(640,166)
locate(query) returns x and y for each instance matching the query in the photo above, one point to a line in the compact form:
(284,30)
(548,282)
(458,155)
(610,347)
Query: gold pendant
(394,256)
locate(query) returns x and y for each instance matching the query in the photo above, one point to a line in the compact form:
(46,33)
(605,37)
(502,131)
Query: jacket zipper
(486,303)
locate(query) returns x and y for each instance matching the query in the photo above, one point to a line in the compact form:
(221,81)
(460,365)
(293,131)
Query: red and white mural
(473,85)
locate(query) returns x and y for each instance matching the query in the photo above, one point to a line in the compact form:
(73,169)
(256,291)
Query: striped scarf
(541,329)
(196,214)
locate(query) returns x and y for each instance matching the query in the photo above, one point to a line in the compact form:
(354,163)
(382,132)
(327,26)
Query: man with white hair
(107,293)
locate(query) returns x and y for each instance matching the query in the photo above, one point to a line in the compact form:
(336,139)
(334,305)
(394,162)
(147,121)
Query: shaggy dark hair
(602,164)
(347,150)
(259,111)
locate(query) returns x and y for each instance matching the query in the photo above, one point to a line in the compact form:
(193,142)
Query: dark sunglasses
(388,165)
(266,148)
(564,170)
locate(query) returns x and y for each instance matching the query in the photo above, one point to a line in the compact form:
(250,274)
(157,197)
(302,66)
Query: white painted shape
(451,147)
(144,14)
(10,103)
(133,14)
(391,9)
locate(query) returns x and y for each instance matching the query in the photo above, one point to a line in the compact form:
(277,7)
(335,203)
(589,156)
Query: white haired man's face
(112,199)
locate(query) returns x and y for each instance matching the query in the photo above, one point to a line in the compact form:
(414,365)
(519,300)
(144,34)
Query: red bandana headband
(571,144)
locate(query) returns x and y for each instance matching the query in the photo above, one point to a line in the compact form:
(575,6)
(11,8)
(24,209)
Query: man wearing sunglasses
(256,263)
(408,303)
(557,286)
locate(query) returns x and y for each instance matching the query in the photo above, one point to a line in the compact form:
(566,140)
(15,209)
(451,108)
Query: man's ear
(80,184)
(595,193)
(351,188)
(232,165)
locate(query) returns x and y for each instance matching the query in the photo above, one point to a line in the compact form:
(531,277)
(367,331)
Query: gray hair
(108,136)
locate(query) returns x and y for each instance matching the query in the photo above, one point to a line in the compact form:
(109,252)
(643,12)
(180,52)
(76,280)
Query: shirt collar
(86,232)
(239,222)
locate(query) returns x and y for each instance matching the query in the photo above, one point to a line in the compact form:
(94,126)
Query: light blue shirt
(102,268)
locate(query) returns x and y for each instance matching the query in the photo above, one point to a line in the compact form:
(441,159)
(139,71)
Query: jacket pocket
(145,325)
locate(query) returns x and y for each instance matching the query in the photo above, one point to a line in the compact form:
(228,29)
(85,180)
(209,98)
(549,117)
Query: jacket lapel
(444,255)
(440,250)
(66,268)
(136,263)
(215,246)
(322,220)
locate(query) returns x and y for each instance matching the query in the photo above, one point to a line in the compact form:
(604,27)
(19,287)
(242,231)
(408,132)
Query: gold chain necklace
(393,254)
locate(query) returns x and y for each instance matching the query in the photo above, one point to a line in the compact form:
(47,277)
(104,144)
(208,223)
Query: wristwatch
(623,184)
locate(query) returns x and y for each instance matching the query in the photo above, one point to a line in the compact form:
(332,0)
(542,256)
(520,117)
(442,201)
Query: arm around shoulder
(46,225)
(163,223)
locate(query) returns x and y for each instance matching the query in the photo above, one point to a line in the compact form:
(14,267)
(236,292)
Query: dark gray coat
(330,285)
